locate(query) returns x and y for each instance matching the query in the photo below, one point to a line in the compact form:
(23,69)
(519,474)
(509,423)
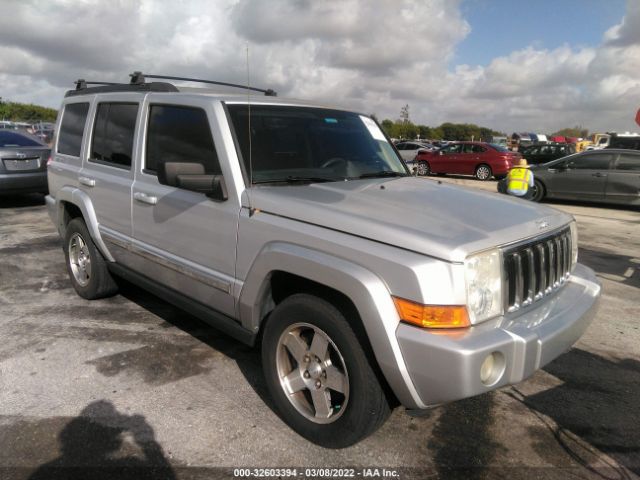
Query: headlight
(574,243)
(483,274)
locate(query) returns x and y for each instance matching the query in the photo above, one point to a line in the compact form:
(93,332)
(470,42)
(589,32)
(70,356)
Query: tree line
(26,112)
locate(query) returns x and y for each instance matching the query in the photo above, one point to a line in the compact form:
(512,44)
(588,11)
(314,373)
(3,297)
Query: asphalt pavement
(133,382)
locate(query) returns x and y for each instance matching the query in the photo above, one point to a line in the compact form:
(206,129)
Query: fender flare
(80,199)
(365,289)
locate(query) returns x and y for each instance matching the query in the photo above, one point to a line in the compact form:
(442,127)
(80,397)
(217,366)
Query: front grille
(536,269)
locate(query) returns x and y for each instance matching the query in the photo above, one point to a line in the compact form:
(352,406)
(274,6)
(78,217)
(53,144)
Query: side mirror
(192,176)
(440,152)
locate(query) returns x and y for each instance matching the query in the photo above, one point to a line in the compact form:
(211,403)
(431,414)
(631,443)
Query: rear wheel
(87,268)
(538,191)
(318,374)
(423,168)
(483,172)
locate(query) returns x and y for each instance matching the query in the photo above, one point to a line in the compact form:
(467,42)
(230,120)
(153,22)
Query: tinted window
(452,148)
(401,146)
(72,128)
(500,148)
(628,162)
(591,162)
(15,139)
(478,149)
(113,133)
(180,134)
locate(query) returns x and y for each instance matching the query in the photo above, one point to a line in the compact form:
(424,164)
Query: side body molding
(366,290)
(81,200)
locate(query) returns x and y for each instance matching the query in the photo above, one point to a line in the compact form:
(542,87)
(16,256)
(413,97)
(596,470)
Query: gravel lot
(131,381)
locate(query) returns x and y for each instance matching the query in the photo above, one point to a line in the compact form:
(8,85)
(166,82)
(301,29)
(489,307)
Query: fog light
(492,368)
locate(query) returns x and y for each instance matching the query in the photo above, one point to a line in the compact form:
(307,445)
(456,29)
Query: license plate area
(21,164)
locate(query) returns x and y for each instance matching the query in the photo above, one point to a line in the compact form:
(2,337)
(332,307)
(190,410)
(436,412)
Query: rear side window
(628,162)
(180,134)
(113,134)
(72,128)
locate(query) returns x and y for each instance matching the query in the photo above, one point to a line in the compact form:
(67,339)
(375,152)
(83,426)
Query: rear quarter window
(72,126)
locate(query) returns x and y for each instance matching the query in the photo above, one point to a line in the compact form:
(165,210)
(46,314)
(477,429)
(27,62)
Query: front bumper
(33,182)
(445,366)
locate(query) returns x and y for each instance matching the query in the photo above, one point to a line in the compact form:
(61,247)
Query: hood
(422,215)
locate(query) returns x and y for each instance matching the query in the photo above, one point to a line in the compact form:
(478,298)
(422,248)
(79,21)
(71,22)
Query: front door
(184,239)
(581,177)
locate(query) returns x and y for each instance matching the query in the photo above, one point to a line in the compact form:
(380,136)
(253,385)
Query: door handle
(89,182)
(599,175)
(144,198)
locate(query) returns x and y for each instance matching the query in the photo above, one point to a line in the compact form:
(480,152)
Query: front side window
(72,128)
(598,161)
(180,134)
(113,134)
(289,144)
(455,148)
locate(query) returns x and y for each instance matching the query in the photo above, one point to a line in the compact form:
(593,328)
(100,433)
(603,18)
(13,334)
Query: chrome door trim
(207,276)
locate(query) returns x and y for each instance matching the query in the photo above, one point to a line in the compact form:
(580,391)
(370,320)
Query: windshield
(15,139)
(499,148)
(298,144)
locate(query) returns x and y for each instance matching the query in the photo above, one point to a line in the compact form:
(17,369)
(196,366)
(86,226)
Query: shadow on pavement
(461,443)
(618,268)
(598,401)
(26,200)
(102,443)
(247,358)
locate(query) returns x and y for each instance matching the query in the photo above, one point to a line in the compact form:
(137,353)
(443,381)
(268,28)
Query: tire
(483,172)
(423,168)
(538,191)
(292,343)
(85,264)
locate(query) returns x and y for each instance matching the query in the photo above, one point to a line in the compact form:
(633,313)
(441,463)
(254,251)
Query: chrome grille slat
(536,269)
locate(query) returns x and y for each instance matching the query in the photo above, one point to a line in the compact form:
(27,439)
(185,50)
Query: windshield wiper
(383,173)
(300,179)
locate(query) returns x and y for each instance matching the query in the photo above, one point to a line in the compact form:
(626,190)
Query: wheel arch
(73,202)
(282,269)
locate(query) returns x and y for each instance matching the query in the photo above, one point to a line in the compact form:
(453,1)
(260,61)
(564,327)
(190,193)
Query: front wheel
(483,172)
(423,168)
(318,374)
(538,191)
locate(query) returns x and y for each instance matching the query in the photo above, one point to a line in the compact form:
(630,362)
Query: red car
(483,160)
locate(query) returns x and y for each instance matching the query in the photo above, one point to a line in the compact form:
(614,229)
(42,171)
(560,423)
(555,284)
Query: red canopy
(638,117)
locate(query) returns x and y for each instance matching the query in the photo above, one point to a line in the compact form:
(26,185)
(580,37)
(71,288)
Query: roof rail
(138,78)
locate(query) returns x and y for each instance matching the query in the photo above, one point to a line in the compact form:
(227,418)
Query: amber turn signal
(432,316)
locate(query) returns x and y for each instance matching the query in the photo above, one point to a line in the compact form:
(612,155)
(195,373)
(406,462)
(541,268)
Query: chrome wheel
(312,373)
(79,259)
(423,168)
(483,172)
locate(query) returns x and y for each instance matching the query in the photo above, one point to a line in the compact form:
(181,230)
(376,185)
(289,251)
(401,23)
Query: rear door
(623,185)
(581,177)
(183,239)
(107,173)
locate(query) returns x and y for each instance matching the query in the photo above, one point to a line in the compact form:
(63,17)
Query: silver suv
(298,227)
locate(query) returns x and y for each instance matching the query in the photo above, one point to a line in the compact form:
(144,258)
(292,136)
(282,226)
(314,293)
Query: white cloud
(370,56)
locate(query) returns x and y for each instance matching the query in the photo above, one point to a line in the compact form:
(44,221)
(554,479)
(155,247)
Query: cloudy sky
(511,65)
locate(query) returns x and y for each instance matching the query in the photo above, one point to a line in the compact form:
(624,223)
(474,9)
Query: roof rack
(138,84)
(138,78)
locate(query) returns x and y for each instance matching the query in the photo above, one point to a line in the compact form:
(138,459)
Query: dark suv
(543,153)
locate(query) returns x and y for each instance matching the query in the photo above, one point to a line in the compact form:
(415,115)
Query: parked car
(284,224)
(409,150)
(536,154)
(609,176)
(483,160)
(23,163)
